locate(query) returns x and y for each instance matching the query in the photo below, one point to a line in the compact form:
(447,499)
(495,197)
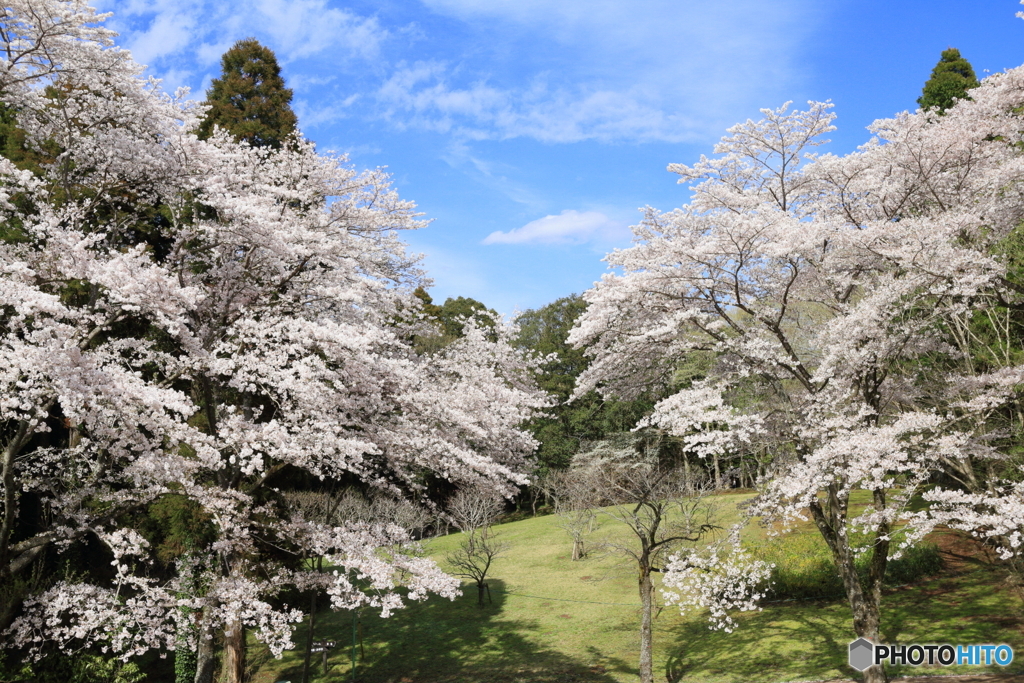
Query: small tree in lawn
(673,527)
(572,494)
(473,511)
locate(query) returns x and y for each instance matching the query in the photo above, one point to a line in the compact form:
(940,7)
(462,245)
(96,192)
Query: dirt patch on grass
(961,552)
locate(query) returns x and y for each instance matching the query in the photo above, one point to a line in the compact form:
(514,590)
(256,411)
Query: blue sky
(532,131)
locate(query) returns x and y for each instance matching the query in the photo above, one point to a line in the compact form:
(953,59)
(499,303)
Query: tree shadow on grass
(809,640)
(802,646)
(442,641)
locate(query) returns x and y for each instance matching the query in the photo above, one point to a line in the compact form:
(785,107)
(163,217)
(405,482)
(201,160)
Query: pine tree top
(250,99)
(951,78)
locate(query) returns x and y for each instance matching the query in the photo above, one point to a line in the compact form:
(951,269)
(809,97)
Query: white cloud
(648,70)
(420,96)
(167,33)
(315,112)
(569,227)
(295,29)
(306,27)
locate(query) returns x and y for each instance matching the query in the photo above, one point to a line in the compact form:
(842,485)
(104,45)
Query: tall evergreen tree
(250,99)
(951,78)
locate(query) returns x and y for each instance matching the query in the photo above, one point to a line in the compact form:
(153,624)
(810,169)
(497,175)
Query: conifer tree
(250,99)
(951,78)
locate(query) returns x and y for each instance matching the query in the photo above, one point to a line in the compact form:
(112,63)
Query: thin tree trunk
(10,497)
(646,617)
(312,624)
(309,638)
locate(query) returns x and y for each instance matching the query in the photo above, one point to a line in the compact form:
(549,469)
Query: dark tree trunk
(864,597)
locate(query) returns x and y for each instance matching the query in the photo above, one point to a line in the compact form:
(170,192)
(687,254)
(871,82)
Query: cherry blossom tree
(201,318)
(822,286)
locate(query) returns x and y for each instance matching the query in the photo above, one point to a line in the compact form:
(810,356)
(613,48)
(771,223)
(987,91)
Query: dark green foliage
(951,78)
(249,100)
(185,664)
(13,143)
(804,569)
(83,667)
(449,320)
(13,146)
(176,525)
(588,418)
(546,331)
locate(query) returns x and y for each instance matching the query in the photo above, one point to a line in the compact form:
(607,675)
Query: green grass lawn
(555,620)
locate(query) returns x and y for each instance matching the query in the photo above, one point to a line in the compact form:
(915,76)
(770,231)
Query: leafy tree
(951,78)
(448,321)
(250,100)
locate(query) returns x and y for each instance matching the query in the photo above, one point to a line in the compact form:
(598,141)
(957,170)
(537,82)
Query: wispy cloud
(569,227)
(495,175)
(188,37)
(316,113)
(649,70)
(571,71)
(422,95)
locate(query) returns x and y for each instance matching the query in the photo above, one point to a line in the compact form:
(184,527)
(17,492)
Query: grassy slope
(549,639)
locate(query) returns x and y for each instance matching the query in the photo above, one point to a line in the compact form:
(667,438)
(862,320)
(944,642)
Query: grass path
(551,622)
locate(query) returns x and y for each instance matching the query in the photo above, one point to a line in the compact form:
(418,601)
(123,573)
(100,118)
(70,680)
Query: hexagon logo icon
(862,654)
